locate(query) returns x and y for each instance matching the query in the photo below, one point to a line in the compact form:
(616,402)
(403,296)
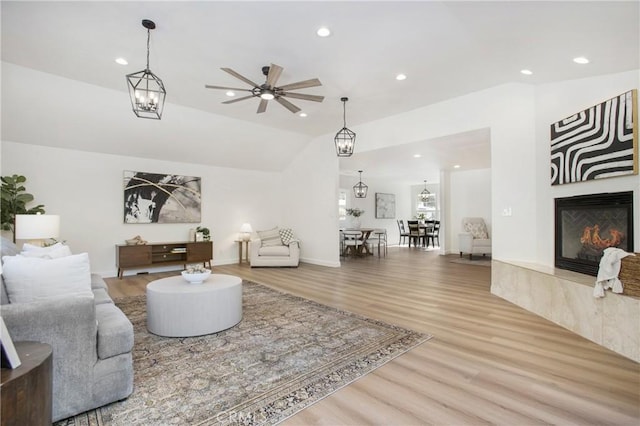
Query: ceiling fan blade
(274,74)
(238,99)
(208,86)
(301,84)
(288,105)
(263,106)
(236,75)
(314,98)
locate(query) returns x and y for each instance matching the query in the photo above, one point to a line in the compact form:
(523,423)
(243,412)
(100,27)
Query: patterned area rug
(286,354)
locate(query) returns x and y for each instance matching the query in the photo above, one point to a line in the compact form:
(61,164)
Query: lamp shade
(37,226)
(246,227)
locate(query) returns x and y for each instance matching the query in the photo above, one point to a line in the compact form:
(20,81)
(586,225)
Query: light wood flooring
(489,362)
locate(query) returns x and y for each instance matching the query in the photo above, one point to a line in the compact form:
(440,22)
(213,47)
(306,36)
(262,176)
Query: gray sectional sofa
(92,342)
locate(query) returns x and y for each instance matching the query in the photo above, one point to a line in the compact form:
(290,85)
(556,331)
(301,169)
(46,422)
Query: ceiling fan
(269,90)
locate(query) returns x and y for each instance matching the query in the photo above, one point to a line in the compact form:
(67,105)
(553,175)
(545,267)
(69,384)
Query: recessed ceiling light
(323,32)
(230,93)
(303,114)
(581,60)
(417,155)
(526,72)
(401,77)
(122,61)
(456,166)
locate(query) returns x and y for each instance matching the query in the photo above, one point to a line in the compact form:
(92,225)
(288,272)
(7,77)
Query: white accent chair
(475,237)
(273,254)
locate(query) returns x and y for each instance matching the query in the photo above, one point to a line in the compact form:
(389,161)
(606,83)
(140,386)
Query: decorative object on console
(161,198)
(345,139)
(14,201)
(204,232)
(146,90)
(245,232)
(37,227)
(136,241)
(269,91)
(599,142)
(360,189)
(385,206)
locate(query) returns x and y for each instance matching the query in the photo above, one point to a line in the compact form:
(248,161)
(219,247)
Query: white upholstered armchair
(274,247)
(475,237)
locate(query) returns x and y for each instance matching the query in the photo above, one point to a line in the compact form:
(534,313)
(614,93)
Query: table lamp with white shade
(37,227)
(245,232)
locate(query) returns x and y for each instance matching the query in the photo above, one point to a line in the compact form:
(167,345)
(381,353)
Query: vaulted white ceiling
(446,49)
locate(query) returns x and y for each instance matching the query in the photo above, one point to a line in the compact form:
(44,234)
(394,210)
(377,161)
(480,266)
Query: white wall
(86,190)
(555,102)
(469,196)
(309,188)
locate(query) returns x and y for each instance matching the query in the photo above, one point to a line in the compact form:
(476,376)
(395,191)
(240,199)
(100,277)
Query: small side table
(246,250)
(26,391)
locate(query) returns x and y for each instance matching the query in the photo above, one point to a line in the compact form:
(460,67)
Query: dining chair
(352,242)
(415,233)
(402,231)
(433,234)
(378,237)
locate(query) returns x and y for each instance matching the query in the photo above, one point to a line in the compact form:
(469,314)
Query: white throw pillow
(28,279)
(56,251)
(270,237)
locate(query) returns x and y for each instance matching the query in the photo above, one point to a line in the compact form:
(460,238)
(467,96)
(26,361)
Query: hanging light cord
(148,38)
(344,114)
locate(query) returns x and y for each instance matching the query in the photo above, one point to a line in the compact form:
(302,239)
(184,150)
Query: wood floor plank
(489,362)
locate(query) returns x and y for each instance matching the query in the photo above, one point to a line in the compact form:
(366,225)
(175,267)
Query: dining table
(366,233)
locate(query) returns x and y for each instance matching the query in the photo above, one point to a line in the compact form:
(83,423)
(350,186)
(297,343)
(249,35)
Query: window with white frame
(427,209)
(342,204)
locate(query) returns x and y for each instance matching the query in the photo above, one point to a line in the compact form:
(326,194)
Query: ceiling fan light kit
(360,189)
(269,91)
(345,139)
(146,90)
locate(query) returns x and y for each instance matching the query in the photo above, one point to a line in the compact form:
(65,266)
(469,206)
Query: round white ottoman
(176,308)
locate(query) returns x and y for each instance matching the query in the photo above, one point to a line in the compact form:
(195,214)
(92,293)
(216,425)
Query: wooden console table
(163,254)
(26,391)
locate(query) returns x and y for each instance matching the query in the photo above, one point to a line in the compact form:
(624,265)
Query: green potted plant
(206,234)
(14,201)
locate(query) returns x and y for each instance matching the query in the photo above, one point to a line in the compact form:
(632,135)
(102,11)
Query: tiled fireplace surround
(566,298)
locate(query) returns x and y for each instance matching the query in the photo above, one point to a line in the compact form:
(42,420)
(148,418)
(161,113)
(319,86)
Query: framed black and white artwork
(385,206)
(599,142)
(161,198)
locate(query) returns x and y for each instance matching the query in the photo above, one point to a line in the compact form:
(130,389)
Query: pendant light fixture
(360,189)
(424,195)
(345,139)
(146,90)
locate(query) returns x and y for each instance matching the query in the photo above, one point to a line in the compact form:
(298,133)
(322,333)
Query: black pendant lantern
(360,189)
(146,90)
(345,139)
(424,195)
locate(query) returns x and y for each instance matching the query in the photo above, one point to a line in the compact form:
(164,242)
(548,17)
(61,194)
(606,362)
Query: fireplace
(588,224)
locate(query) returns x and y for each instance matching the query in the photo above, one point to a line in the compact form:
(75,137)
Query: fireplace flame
(591,238)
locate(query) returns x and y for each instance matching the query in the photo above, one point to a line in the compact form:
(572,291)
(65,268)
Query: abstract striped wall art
(599,142)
